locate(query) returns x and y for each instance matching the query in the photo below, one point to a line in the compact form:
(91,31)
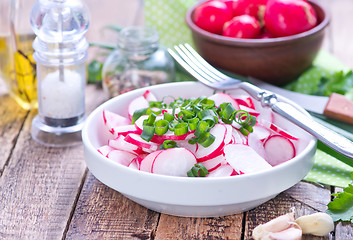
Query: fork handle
(330,138)
(325,135)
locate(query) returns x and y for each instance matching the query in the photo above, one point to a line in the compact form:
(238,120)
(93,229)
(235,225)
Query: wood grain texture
(303,198)
(39,185)
(103,213)
(12,117)
(171,227)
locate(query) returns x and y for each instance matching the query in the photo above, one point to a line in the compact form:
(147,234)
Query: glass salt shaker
(138,61)
(60,52)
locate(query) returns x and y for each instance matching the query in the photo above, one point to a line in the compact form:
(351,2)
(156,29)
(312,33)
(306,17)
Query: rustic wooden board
(171,227)
(12,117)
(103,213)
(304,198)
(39,185)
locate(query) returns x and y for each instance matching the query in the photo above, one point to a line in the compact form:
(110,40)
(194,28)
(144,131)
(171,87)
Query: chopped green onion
(211,121)
(168,144)
(207,103)
(138,113)
(172,125)
(147,133)
(150,120)
(161,126)
(198,170)
(242,117)
(181,128)
(192,141)
(207,113)
(226,112)
(201,128)
(206,139)
(156,104)
(193,122)
(167,116)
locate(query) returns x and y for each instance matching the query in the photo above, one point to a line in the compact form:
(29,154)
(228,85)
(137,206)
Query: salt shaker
(60,52)
(138,61)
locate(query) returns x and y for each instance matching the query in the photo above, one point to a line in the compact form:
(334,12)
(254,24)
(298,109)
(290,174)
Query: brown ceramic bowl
(275,60)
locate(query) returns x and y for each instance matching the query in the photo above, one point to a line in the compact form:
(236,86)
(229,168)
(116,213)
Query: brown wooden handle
(339,108)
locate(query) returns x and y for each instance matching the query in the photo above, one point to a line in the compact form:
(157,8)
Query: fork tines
(189,59)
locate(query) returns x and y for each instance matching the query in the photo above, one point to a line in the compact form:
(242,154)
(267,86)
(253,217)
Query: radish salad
(213,136)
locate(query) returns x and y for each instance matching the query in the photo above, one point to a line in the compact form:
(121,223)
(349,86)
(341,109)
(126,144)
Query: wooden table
(48,193)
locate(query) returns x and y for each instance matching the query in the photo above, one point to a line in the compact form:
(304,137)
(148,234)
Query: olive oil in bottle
(17,67)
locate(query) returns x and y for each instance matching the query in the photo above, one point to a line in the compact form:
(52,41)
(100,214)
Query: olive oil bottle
(17,66)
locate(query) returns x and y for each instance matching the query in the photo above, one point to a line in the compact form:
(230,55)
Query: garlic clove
(283,227)
(318,224)
(292,233)
(279,223)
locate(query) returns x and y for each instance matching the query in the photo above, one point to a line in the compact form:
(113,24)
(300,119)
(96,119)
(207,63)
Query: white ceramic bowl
(192,197)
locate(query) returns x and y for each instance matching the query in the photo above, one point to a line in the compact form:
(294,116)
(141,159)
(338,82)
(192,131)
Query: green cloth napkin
(168,18)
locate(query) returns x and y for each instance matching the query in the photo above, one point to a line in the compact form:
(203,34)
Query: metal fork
(192,62)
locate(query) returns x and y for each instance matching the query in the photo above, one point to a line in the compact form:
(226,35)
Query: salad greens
(341,207)
(194,114)
(319,81)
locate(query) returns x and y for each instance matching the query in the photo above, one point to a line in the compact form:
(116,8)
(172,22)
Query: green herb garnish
(198,170)
(341,207)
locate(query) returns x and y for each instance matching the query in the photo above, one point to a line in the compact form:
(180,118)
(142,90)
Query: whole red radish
(288,17)
(253,8)
(231,4)
(244,26)
(211,16)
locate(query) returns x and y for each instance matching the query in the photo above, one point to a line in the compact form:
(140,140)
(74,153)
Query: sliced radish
(246,101)
(125,129)
(138,141)
(220,98)
(149,96)
(185,144)
(222,171)
(137,104)
(266,115)
(238,137)
(122,157)
(279,130)
(229,134)
(134,164)
(244,159)
(251,111)
(104,150)
(146,162)
(215,149)
(214,163)
(255,143)
(121,144)
(112,120)
(261,132)
(174,162)
(278,149)
(169,135)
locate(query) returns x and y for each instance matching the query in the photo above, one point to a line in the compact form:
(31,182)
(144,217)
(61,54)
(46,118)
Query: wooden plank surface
(48,193)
